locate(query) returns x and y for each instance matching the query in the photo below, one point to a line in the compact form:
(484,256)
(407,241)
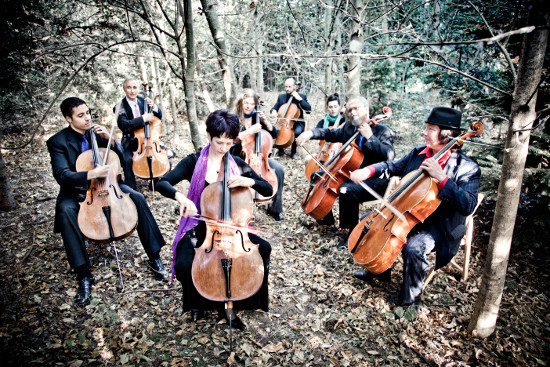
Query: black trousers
(351,195)
(67,210)
(129,177)
(420,243)
(276,203)
(185,253)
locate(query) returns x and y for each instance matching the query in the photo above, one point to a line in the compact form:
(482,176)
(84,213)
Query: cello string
(384,201)
(321,166)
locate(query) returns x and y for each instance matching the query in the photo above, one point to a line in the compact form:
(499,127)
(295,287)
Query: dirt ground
(319,314)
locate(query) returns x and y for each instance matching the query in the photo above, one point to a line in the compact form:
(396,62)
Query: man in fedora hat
(457,178)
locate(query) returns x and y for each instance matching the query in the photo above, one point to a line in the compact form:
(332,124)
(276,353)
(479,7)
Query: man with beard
(376,144)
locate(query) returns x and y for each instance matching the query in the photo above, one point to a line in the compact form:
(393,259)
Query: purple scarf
(195,191)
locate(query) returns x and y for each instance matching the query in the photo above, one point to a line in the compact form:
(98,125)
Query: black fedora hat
(445,117)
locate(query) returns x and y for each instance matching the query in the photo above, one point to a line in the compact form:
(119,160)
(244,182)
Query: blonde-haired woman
(245,109)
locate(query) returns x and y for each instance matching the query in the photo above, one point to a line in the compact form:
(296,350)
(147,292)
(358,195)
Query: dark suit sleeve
(158,113)
(396,168)
(61,167)
(330,135)
(278,104)
(462,193)
(126,121)
(263,187)
(304,103)
(379,146)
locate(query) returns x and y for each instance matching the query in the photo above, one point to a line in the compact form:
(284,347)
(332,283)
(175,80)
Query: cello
(256,150)
(326,152)
(227,267)
(287,114)
(150,160)
(107,214)
(323,191)
(377,240)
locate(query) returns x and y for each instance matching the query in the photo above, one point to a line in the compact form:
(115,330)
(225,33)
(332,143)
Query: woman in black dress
(201,169)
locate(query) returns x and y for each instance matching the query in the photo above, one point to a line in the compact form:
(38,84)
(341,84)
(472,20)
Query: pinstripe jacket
(458,198)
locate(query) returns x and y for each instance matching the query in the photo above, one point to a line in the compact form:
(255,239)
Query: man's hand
(101,131)
(149,102)
(304,137)
(360,175)
(433,168)
(148,117)
(365,130)
(296,96)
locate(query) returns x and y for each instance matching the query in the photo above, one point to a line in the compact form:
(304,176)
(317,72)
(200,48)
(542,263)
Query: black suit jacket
(303,105)
(458,198)
(127,123)
(377,148)
(64,148)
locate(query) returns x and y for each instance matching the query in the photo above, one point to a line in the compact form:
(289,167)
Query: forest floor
(319,314)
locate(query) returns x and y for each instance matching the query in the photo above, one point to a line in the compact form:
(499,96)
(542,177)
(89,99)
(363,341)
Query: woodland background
(409,55)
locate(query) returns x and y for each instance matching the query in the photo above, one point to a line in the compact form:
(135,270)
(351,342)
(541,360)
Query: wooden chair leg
(467,250)
(429,277)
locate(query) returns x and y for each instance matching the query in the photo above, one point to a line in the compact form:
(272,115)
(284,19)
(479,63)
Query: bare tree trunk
(329,88)
(355,47)
(189,83)
(142,69)
(204,88)
(7,201)
(222,51)
(259,62)
(522,116)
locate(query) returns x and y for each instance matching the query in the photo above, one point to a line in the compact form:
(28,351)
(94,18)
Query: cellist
(64,148)
(457,178)
(132,116)
(202,169)
(300,100)
(376,144)
(245,110)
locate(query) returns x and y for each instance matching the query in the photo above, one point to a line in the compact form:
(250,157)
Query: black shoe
(417,305)
(327,221)
(196,315)
(280,152)
(158,270)
(344,244)
(236,323)
(277,216)
(84,293)
(367,276)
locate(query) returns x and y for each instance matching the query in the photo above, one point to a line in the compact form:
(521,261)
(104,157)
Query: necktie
(85,145)
(360,141)
(136,110)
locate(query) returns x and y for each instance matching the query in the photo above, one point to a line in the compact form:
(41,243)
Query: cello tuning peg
(261,103)
(95,115)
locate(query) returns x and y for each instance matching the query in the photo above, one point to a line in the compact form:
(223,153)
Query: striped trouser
(416,264)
